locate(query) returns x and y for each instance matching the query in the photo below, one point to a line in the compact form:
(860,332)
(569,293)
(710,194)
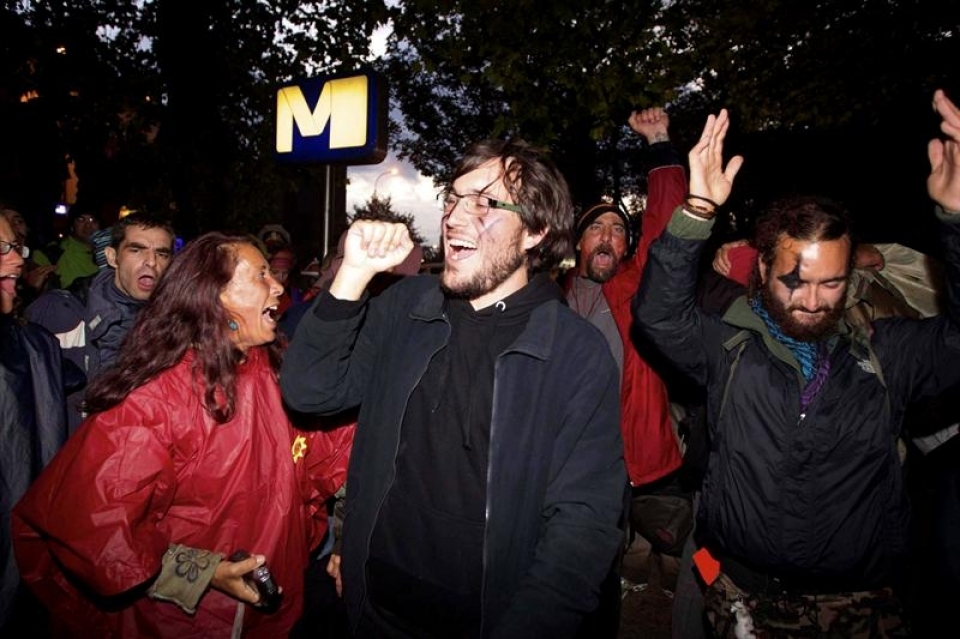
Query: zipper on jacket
(801,418)
(486,506)
(393,477)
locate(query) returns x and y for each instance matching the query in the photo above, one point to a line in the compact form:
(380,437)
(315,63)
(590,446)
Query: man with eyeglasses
(37,268)
(33,427)
(486,479)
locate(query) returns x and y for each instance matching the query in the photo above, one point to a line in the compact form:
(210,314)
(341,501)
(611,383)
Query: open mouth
(459,249)
(8,283)
(146,282)
(603,258)
(270,313)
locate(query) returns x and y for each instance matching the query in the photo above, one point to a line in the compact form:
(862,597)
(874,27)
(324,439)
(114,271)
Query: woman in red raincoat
(186,458)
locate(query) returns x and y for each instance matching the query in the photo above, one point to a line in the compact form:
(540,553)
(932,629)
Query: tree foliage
(816,65)
(167,102)
(565,75)
(381,209)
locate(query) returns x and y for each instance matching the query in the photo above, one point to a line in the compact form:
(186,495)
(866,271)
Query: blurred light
(61,209)
(62,50)
(124,212)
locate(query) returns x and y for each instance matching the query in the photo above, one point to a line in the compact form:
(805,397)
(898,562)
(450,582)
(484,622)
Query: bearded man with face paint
(487,477)
(802,525)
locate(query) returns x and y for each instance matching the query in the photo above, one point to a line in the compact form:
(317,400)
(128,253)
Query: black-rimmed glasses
(22,250)
(475,204)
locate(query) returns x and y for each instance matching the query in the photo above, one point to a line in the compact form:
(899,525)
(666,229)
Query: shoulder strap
(738,342)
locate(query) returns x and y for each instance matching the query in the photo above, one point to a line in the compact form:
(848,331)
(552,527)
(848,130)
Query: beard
(495,272)
(782,315)
(602,274)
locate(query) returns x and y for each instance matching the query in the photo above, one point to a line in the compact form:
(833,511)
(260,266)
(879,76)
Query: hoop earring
(233,325)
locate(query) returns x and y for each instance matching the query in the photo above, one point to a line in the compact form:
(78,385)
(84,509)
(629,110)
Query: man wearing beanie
(600,289)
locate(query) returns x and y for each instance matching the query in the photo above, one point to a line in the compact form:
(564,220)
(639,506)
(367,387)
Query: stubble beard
(498,271)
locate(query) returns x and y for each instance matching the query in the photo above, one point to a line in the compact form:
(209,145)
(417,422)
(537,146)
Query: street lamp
(376,182)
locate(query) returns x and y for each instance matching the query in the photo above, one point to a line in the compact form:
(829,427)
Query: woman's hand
(229,580)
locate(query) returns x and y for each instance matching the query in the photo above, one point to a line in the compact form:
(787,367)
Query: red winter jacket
(650,445)
(155,470)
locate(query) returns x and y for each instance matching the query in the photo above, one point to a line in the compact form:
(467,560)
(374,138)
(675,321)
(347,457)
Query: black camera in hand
(261,579)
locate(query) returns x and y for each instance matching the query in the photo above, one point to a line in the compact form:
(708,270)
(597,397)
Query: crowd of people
(180,428)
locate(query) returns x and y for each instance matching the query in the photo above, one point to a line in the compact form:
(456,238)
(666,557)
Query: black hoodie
(437,503)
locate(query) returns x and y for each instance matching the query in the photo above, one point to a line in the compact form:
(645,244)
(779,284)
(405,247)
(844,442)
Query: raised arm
(371,247)
(666,180)
(665,310)
(709,179)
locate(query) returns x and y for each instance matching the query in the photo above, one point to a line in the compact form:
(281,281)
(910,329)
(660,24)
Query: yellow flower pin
(299,448)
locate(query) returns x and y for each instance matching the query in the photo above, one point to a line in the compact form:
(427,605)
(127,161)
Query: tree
(168,103)
(563,75)
(381,209)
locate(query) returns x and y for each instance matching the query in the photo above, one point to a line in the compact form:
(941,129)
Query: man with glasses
(37,269)
(33,427)
(486,479)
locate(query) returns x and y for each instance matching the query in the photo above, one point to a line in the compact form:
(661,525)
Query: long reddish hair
(183,314)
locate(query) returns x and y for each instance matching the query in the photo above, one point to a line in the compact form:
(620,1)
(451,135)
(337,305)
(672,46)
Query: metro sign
(338,119)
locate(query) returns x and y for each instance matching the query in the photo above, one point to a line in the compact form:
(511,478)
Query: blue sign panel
(340,119)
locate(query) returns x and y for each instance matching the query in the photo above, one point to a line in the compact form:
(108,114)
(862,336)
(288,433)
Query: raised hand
(371,247)
(708,177)
(653,124)
(943,184)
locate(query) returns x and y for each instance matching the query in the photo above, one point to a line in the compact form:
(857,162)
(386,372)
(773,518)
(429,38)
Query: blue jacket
(555,476)
(813,497)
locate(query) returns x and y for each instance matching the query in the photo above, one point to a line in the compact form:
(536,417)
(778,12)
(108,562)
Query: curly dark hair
(537,185)
(801,217)
(183,314)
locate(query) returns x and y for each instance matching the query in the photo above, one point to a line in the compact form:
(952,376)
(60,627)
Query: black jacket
(33,426)
(555,477)
(814,497)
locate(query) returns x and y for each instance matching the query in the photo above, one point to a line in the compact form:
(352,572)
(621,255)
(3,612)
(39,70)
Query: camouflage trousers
(735,614)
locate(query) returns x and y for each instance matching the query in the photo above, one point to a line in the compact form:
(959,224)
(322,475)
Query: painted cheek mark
(486,228)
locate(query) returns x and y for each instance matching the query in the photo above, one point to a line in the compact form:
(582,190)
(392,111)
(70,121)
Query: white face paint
(810,252)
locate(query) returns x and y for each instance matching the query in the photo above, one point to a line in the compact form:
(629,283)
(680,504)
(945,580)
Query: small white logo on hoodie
(866,366)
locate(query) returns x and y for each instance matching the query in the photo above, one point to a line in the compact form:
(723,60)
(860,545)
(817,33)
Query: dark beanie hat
(595,211)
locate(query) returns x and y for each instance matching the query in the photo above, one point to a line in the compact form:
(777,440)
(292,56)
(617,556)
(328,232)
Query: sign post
(332,120)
